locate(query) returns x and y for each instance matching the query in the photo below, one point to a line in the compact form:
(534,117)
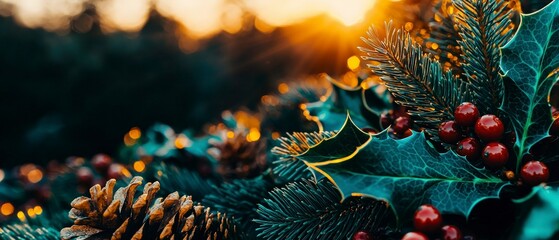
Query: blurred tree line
(79,92)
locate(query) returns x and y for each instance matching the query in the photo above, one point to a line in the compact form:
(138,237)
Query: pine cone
(104,216)
(239,158)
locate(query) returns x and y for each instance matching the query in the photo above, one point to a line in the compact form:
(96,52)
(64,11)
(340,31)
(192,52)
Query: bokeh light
(182,141)
(353,62)
(7,209)
(253,135)
(200,19)
(123,15)
(139,166)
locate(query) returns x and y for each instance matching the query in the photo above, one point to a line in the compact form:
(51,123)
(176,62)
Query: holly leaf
(363,104)
(405,173)
(539,215)
(530,61)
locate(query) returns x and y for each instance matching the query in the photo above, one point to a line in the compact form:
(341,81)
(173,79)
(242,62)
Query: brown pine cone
(104,216)
(239,158)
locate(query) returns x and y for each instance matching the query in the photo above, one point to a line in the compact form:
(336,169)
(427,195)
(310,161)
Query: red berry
(427,219)
(386,119)
(85,176)
(489,128)
(495,155)
(361,235)
(466,114)
(101,162)
(115,171)
(469,148)
(369,130)
(449,132)
(554,130)
(534,173)
(415,236)
(401,125)
(451,232)
(406,134)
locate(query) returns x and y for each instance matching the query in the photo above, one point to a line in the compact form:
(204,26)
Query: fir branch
(288,167)
(306,210)
(182,180)
(415,80)
(484,27)
(24,231)
(443,37)
(239,199)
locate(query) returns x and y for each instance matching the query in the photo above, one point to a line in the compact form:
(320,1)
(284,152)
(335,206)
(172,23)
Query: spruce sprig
(240,198)
(288,167)
(24,231)
(484,28)
(414,78)
(444,36)
(309,210)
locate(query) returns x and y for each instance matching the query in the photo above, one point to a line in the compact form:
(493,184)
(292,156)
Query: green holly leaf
(539,215)
(530,60)
(364,106)
(405,173)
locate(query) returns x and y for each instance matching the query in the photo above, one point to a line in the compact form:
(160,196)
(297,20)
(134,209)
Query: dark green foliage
(307,210)
(415,80)
(406,173)
(239,199)
(23,231)
(484,28)
(353,100)
(444,34)
(529,6)
(539,215)
(182,180)
(63,190)
(288,168)
(530,61)
(286,115)
(11,190)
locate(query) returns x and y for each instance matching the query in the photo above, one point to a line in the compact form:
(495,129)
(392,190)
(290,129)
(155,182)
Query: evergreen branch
(239,199)
(288,167)
(306,210)
(484,28)
(24,231)
(182,180)
(443,37)
(416,80)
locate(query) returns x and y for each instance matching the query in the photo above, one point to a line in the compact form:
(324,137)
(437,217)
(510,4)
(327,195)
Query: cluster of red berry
(104,165)
(488,130)
(428,220)
(399,120)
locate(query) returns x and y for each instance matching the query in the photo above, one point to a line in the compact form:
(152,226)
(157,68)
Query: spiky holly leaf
(530,60)
(539,215)
(356,101)
(406,173)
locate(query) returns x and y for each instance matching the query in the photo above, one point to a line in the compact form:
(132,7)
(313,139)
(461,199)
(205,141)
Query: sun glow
(201,19)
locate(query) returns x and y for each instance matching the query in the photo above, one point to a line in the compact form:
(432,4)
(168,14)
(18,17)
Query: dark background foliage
(77,93)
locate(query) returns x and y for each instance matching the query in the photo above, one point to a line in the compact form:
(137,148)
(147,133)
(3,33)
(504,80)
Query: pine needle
(414,78)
